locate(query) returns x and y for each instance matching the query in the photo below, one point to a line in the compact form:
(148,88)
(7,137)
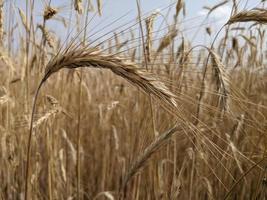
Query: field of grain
(132,108)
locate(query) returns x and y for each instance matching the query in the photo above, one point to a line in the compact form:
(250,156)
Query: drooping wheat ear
(49,12)
(78,6)
(152,148)
(256,15)
(89,57)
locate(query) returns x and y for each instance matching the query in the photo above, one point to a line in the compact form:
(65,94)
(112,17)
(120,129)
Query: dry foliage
(124,114)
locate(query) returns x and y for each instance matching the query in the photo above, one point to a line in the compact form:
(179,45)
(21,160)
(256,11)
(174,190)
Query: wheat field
(132,108)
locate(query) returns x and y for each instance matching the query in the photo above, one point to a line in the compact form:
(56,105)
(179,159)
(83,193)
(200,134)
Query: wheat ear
(87,57)
(256,15)
(140,161)
(90,57)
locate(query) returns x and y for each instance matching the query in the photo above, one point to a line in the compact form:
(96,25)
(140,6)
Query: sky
(126,10)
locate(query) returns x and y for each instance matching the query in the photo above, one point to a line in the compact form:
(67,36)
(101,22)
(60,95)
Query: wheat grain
(166,41)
